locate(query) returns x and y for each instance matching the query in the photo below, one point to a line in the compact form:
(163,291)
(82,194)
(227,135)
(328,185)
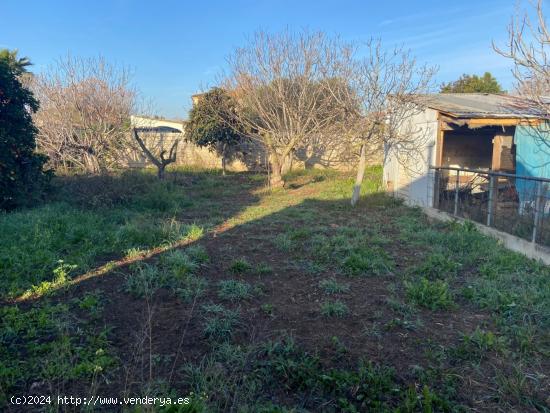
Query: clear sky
(177,48)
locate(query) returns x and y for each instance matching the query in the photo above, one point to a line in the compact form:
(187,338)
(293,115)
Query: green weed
(240,266)
(429,294)
(331,286)
(334,309)
(234,290)
(219,322)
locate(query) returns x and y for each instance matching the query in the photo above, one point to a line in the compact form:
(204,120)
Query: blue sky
(176,48)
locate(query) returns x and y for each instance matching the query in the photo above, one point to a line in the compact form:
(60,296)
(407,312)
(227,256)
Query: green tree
(473,84)
(18,64)
(212,123)
(22,178)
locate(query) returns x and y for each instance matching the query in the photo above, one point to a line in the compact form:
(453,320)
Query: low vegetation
(256,301)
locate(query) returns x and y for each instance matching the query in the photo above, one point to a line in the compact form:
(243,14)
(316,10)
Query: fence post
(437,187)
(456,192)
(492,200)
(539,209)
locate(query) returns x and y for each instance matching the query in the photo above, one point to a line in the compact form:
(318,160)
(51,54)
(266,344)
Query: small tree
(84,114)
(161,162)
(473,84)
(378,93)
(212,123)
(21,169)
(279,84)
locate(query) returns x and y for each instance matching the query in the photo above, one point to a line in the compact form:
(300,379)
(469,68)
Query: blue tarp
(532,158)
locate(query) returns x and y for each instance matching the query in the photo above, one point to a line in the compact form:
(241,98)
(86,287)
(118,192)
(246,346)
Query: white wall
(406,165)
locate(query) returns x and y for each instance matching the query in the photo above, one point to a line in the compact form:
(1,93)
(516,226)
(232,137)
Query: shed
(465,130)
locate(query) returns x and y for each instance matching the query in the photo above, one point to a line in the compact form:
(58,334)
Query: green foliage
(331,286)
(240,266)
(234,290)
(334,309)
(367,261)
(437,266)
(22,179)
(17,64)
(429,294)
(84,228)
(477,345)
(211,120)
(219,322)
(263,269)
(60,278)
(145,281)
(267,309)
(177,272)
(46,343)
(253,373)
(473,84)
(357,252)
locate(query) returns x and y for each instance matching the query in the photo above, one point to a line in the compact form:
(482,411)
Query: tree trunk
(360,175)
(276,178)
(287,163)
(224,150)
(161,169)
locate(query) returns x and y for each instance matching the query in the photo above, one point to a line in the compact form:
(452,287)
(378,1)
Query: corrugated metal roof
(482,105)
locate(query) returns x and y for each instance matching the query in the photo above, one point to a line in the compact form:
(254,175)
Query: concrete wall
(406,167)
(529,249)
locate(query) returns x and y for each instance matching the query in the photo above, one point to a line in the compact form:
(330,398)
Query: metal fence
(518,205)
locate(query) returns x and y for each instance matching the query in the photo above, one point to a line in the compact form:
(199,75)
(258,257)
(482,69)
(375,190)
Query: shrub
(22,179)
(429,294)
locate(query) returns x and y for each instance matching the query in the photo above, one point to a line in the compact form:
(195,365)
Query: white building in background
(463,130)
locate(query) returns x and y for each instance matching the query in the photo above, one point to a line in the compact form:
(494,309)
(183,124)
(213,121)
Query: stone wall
(249,155)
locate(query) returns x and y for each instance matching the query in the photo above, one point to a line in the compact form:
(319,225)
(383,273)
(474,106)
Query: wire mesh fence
(518,205)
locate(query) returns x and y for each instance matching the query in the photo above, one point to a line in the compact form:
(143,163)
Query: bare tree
(528,48)
(383,90)
(279,84)
(85,107)
(161,162)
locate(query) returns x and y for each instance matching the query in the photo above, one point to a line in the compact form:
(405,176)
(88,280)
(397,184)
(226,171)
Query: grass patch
(219,323)
(66,344)
(477,345)
(331,286)
(240,266)
(437,266)
(433,295)
(268,309)
(263,269)
(334,309)
(48,344)
(233,290)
